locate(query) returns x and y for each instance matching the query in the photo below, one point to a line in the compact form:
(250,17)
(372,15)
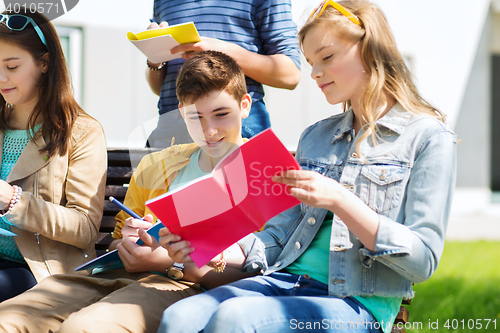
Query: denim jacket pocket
(383,186)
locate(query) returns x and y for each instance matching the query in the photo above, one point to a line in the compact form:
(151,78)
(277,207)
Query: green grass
(466,286)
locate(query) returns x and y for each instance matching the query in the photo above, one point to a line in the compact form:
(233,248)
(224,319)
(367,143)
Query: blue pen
(152,21)
(125,208)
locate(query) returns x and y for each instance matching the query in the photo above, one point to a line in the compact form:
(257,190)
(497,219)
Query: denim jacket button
(354,155)
(277,264)
(383,176)
(349,138)
(335,281)
(298,245)
(311,221)
(338,249)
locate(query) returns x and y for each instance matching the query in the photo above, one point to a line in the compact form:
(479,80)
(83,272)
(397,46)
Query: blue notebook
(111,260)
(4,232)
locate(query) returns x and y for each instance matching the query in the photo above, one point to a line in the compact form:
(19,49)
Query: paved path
(483,224)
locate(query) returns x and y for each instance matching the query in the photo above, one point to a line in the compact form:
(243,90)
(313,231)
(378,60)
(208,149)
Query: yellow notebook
(157,43)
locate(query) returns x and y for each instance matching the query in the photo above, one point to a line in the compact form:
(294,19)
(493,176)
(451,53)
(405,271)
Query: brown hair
(388,73)
(209,71)
(56,105)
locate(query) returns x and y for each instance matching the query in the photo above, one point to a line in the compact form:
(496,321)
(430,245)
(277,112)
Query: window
(72,44)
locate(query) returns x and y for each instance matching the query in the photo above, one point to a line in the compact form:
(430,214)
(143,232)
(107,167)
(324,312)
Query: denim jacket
(408,178)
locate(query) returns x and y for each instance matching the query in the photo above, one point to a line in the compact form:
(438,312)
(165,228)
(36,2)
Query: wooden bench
(120,169)
(401,318)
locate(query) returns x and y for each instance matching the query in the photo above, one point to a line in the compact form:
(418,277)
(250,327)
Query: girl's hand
(178,249)
(6,192)
(319,191)
(311,188)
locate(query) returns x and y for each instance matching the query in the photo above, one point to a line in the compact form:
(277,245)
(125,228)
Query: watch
(175,272)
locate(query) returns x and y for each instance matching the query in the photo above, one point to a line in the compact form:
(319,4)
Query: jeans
(15,278)
(170,125)
(257,121)
(275,303)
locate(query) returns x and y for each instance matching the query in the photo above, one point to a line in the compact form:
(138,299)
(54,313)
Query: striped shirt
(261,26)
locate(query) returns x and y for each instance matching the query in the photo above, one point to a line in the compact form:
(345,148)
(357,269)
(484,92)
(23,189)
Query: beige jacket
(58,217)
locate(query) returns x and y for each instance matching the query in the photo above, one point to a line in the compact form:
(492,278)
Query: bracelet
(16,196)
(155,68)
(220,265)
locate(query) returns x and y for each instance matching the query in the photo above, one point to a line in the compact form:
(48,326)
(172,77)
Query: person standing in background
(260,35)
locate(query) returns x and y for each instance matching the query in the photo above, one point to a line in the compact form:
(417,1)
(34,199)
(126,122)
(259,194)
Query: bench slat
(108,224)
(103,241)
(110,209)
(117,191)
(123,157)
(118,174)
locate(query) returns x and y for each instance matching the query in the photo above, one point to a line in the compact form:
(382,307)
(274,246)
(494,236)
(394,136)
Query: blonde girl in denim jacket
(375,194)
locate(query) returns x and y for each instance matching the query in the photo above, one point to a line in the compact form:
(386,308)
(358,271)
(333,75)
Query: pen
(125,208)
(152,21)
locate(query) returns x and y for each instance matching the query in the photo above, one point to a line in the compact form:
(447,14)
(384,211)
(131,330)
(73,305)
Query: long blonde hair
(388,73)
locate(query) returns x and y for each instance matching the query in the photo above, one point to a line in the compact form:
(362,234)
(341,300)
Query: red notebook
(237,198)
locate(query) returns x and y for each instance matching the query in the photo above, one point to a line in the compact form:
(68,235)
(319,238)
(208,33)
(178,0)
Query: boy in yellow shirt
(213,101)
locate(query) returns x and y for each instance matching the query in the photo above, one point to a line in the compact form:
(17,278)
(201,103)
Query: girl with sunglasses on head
(53,159)
(375,194)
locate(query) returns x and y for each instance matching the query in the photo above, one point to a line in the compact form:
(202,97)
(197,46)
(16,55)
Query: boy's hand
(150,256)
(132,226)
(178,249)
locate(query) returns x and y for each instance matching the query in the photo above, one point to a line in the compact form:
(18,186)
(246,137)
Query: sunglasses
(322,6)
(18,22)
